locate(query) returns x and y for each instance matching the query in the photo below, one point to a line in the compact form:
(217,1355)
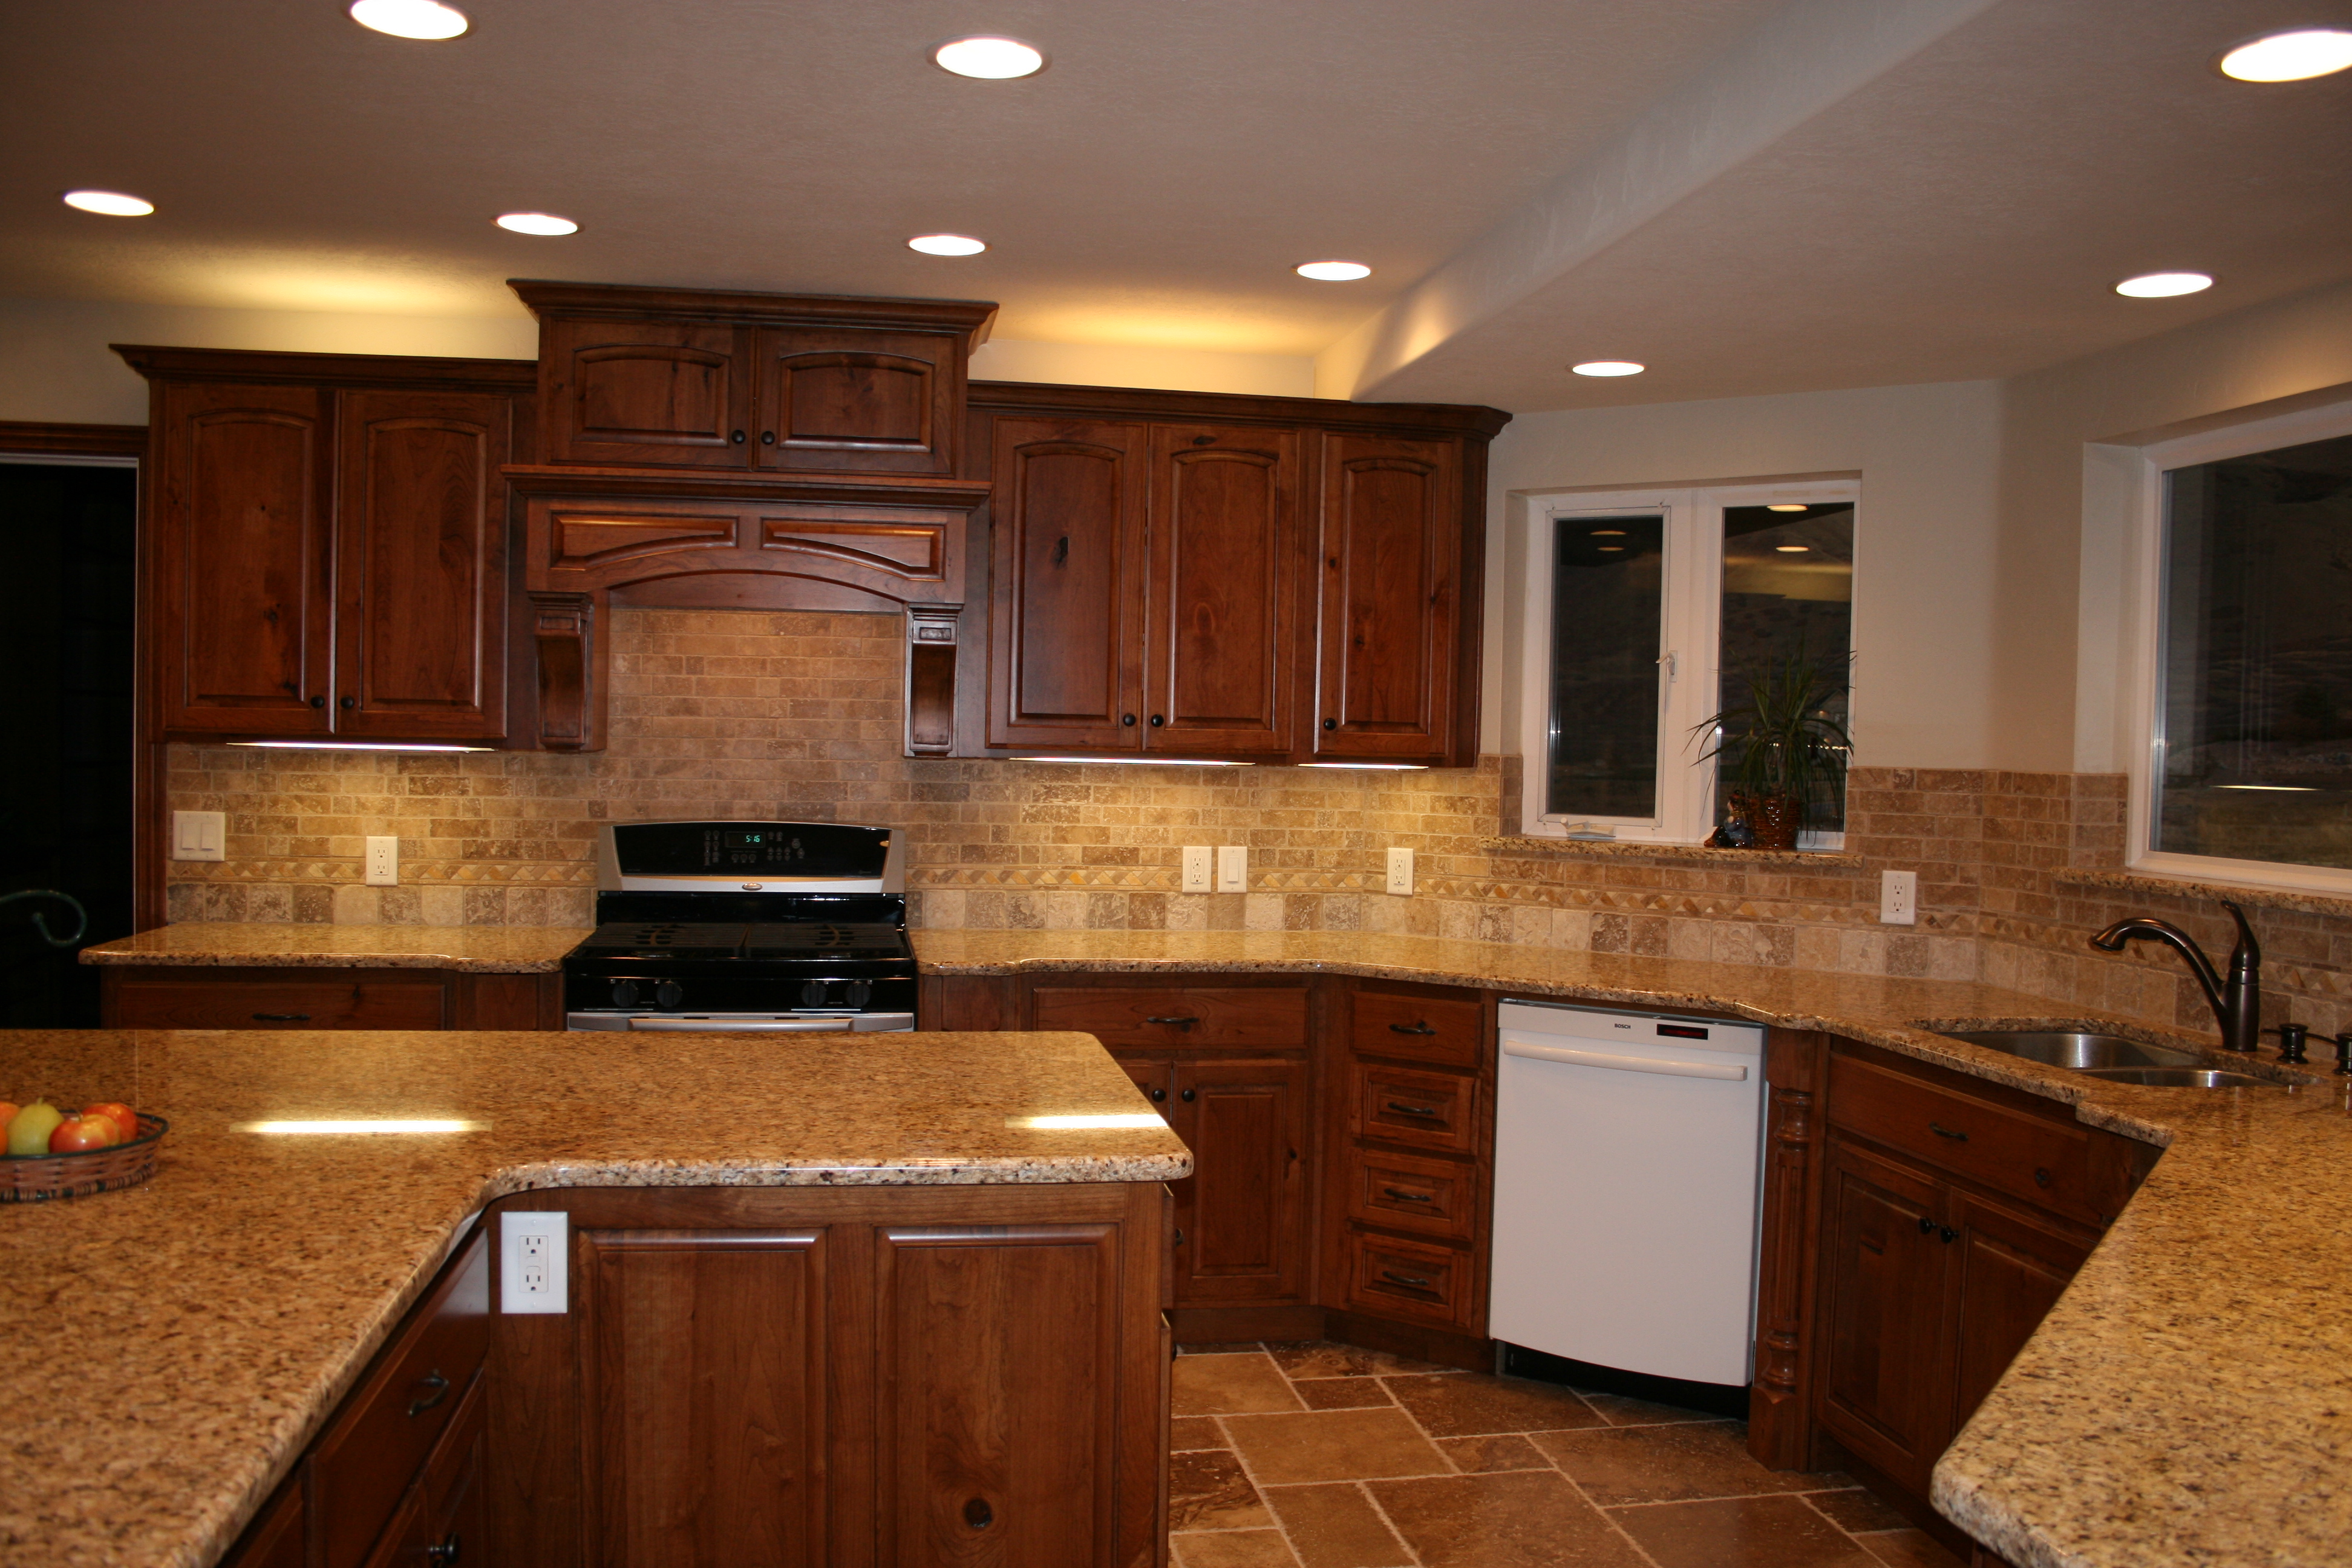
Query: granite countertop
(231,1302)
(2188,1402)
(483,950)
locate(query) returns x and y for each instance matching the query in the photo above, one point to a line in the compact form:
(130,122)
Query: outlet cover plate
(382,860)
(1233,869)
(534,1273)
(1400,871)
(1898,898)
(1200,868)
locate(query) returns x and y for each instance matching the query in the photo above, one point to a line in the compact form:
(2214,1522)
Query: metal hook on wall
(40,921)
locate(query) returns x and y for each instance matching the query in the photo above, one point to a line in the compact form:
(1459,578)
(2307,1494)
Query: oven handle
(835,1023)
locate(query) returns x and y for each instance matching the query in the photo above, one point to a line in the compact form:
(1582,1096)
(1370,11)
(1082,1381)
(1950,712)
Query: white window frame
(2146,690)
(1689,632)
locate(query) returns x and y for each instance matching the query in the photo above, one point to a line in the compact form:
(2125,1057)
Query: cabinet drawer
(279,1004)
(1422,1028)
(1408,1279)
(442,1515)
(1404,1192)
(1425,1110)
(1177,1015)
(2045,1162)
(366,1461)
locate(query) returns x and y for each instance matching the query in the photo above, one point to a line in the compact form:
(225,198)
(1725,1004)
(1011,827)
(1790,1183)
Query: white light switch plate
(199,835)
(382,861)
(1898,898)
(1200,874)
(532,1250)
(1233,869)
(1400,871)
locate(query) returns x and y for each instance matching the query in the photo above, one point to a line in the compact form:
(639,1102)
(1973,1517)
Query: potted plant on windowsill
(1782,752)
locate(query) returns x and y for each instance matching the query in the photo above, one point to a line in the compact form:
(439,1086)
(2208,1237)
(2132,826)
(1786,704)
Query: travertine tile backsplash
(724,713)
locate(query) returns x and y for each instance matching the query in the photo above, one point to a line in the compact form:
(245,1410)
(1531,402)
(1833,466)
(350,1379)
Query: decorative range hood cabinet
(748,451)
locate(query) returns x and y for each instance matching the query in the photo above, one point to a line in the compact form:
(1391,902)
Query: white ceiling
(1750,195)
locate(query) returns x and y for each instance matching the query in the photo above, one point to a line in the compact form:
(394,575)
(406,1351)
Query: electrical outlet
(382,861)
(1400,871)
(532,1269)
(199,835)
(1233,869)
(1198,873)
(1898,898)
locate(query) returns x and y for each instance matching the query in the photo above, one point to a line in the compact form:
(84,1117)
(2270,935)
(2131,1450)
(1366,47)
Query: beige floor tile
(1226,1385)
(1322,1359)
(1234,1549)
(1505,1451)
(1341,1393)
(1620,1411)
(1333,1445)
(1855,1511)
(1470,1404)
(1665,1464)
(1909,1549)
(1209,1491)
(1336,1526)
(1527,1519)
(1188,1432)
(1238,1347)
(1741,1532)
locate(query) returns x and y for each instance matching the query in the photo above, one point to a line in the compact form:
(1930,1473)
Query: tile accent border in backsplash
(727,713)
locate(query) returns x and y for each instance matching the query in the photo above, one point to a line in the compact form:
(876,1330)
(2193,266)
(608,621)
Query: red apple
(77,1133)
(126,1121)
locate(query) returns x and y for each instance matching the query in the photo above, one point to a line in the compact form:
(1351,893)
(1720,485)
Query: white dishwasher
(1627,1152)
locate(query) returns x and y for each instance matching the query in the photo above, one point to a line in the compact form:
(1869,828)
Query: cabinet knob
(1158,720)
(318,702)
(1187,1097)
(444,1555)
(737,438)
(1128,719)
(348,702)
(1159,1095)
(767,437)
(1330,723)
(978,1514)
(1927,1225)
(1949,1234)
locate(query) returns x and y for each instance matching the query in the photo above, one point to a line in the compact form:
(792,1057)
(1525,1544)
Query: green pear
(28,1132)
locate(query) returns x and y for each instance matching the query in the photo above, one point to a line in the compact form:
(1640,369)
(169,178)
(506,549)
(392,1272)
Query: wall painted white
(1930,459)
(53,364)
(2069,453)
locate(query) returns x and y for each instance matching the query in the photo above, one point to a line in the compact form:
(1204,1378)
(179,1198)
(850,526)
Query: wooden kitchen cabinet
(325,542)
(173,996)
(1244,1212)
(804,1375)
(1231,577)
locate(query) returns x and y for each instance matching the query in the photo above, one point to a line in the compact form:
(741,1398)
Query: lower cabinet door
(996,1418)
(703,1376)
(2010,1271)
(1886,1370)
(1243,1212)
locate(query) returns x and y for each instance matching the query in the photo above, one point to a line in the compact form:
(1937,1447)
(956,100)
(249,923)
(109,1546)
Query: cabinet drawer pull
(1420,1027)
(1941,1130)
(1172,1023)
(1405,1198)
(1402,1109)
(281,1017)
(1415,1280)
(437,1387)
(445,1554)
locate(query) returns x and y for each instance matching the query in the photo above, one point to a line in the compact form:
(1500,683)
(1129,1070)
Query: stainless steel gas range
(788,927)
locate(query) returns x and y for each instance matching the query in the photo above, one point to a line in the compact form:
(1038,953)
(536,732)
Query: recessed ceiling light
(2289,56)
(410,18)
(1608,534)
(947,245)
(113,204)
(1793,549)
(1609,547)
(537,222)
(1785,506)
(990,58)
(1333,271)
(2163,285)
(1608,367)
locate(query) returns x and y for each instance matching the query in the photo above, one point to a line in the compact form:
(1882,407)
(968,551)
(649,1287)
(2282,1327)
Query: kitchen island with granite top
(915,1280)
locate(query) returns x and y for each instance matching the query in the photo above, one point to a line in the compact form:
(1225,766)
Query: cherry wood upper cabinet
(677,378)
(1224,604)
(1393,599)
(324,543)
(1066,623)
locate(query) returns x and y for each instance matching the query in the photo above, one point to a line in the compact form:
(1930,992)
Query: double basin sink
(2109,1056)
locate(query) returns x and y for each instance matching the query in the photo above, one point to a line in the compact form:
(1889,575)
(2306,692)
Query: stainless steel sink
(2081,1051)
(2182,1078)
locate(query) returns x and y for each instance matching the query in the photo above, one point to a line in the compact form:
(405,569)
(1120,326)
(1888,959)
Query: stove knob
(625,994)
(813,993)
(669,993)
(860,993)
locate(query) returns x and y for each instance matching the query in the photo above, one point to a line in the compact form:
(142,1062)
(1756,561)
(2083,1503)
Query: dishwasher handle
(1517,1047)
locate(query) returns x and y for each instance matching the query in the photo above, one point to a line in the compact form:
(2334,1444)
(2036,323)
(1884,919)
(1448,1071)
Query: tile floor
(1322,1455)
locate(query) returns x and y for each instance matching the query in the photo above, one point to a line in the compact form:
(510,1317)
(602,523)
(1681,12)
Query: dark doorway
(67,627)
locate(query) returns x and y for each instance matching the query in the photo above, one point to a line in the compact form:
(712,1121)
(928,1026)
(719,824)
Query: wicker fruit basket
(36,1178)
